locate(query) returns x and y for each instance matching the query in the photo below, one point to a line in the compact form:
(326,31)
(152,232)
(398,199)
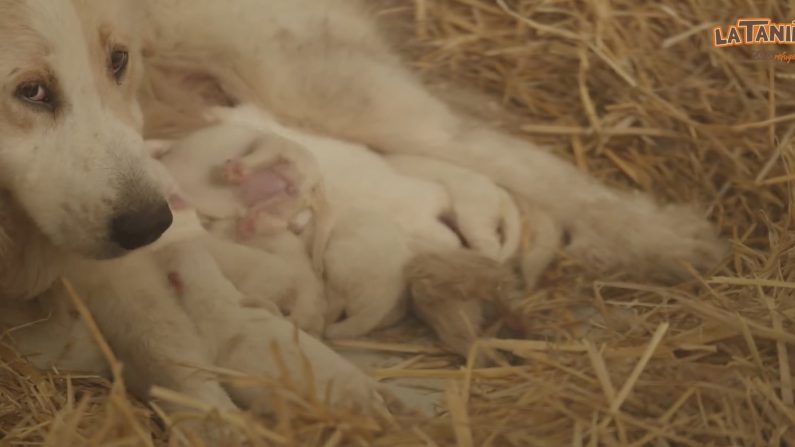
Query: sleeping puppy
(381,218)
(272,267)
(380,221)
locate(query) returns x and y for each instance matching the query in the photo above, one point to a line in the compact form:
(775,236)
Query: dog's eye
(118,63)
(35,93)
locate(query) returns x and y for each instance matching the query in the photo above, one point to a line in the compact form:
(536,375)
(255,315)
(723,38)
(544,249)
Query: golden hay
(633,93)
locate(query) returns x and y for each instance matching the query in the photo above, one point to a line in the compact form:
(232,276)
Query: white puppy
(378,219)
(382,218)
(258,342)
(266,208)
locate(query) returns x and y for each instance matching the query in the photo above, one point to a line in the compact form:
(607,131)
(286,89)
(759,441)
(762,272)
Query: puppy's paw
(276,194)
(268,305)
(234,172)
(310,321)
(648,240)
(307,305)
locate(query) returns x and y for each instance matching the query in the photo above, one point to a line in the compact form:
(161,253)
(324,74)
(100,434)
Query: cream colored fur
(72,166)
(378,219)
(319,70)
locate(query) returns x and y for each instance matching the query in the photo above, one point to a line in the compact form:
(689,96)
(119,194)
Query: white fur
(385,211)
(321,68)
(379,219)
(74,167)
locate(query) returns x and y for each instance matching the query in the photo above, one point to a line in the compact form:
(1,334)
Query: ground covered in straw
(633,93)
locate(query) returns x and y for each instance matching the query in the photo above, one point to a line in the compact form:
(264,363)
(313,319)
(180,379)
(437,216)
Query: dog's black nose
(133,230)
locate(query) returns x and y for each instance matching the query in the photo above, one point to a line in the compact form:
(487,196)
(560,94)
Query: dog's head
(71,150)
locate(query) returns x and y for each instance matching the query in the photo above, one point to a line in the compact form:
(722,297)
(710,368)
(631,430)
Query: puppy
(257,219)
(458,293)
(266,182)
(372,244)
(381,218)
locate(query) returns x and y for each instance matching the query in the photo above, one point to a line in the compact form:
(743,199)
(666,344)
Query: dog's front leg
(151,334)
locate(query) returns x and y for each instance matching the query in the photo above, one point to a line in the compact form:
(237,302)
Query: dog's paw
(646,239)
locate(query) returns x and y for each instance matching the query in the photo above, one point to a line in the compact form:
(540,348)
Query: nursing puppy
(377,220)
(265,193)
(397,225)
(384,212)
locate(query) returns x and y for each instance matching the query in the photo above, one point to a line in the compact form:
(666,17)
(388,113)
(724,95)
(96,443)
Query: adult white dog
(83,80)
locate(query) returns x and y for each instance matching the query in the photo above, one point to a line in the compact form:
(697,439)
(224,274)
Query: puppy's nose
(133,230)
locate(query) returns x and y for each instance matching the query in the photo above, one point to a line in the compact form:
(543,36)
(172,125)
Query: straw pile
(633,93)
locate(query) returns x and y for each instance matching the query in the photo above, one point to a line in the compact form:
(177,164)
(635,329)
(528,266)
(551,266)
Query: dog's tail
(456,291)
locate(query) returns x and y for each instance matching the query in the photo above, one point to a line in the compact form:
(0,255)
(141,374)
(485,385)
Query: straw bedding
(633,93)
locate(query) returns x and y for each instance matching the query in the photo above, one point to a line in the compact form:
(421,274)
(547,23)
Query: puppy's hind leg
(364,262)
(484,214)
(543,239)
